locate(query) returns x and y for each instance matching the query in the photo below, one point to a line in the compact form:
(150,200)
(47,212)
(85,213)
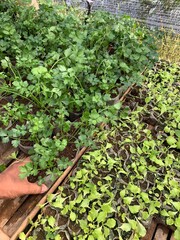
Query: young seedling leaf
(111,223)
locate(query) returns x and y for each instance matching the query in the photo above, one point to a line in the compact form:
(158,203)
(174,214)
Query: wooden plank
(8,208)
(161,232)
(3,149)
(3,236)
(23,211)
(151,230)
(5,154)
(44,196)
(13,224)
(19,220)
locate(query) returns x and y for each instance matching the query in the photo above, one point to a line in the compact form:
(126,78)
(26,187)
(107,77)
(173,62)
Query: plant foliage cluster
(132,175)
(55,62)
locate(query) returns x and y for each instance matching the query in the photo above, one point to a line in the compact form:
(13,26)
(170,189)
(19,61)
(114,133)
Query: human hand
(11,186)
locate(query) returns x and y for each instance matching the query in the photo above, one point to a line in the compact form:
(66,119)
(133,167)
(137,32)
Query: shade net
(155,13)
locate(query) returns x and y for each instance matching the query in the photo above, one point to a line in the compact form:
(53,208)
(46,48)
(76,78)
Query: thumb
(34,188)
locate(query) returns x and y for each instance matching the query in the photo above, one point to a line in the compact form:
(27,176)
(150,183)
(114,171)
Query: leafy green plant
(125,181)
(56,62)
(165,104)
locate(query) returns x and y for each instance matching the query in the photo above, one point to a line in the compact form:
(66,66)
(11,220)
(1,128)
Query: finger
(34,188)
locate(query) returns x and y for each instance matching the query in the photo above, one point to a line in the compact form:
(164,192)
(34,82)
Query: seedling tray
(16,213)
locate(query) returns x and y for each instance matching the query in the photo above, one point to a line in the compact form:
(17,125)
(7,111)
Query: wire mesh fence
(155,13)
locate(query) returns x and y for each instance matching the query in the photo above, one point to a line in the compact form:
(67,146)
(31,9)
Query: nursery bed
(93,171)
(15,213)
(45,93)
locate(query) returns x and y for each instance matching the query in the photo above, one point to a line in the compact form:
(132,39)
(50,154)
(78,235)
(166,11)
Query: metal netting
(155,13)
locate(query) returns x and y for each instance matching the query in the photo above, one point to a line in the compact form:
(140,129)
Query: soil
(33,179)
(62,221)
(25,146)
(73,227)
(5,100)
(48,211)
(40,234)
(69,152)
(111,48)
(64,235)
(74,116)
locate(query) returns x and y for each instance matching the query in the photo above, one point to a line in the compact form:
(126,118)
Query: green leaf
(106,231)
(133,188)
(177,132)
(145,215)
(22,236)
(124,67)
(126,227)
(38,71)
(170,221)
(90,237)
(51,221)
(93,213)
(101,217)
(163,108)
(5,63)
(84,225)
(85,203)
(133,223)
(132,149)
(59,202)
(98,234)
(127,200)
(23,175)
(134,209)
(2,167)
(68,52)
(145,197)
(167,129)
(177,222)
(111,223)
(122,193)
(176,205)
(171,140)
(58,237)
(141,229)
(106,207)
(5,139)
(15,143)
(178,144)
(73,216)
(177,234)
(164,213)
(50,197)
(117,105)
(148,99)
(62,68)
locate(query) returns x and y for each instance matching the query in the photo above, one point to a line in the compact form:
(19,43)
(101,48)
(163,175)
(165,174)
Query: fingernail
(44,188)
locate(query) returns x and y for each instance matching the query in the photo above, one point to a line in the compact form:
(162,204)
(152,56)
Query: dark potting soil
(33,179)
